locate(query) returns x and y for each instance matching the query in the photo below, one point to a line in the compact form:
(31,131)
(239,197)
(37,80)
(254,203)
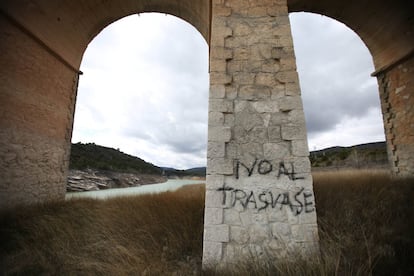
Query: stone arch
(67,28)
(42,44)
(387,29)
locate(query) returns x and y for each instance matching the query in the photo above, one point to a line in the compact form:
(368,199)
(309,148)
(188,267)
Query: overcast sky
(145,88)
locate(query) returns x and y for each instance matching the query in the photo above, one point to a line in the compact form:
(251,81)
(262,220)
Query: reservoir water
(171,185)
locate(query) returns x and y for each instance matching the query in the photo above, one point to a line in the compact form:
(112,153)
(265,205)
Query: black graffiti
(298,203)
(266,167)
(284,171)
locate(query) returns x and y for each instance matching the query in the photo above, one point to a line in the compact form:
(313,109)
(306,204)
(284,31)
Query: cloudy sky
(145,88)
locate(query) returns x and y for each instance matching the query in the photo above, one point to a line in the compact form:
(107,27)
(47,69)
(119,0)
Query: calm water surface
(170,185)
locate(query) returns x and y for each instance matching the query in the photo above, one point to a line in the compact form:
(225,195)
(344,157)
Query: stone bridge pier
(259,197)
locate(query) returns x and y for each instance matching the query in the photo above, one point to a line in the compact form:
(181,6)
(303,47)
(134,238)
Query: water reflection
(170,185)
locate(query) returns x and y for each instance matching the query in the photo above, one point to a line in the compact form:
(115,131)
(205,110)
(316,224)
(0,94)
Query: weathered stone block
(217,233)
(239,53)
(266,129)
(270,66)
(279,119)
(231,217)
(278,216)
(213,182)
(265,79)
(220,105)
(219,166)
(276,151)
(216,118)
(277,53)
(300,148)
(288,64)
(221,53)
(281,229)
(278,91)
(219,40)
(295,116)
(239,235)
(219,10)
(246,218)
(231,93)
(213,216)
(302,165)
(293,132)
(242,29)
(229,119)
(305,232)
(248,120)
(254,92)
(212,252)
(219,134)
(287,76)
(220,78)
(216,150)
(293,89)
(289,103)
(213,199)
(275,134)
(259,233)
(266,106)
(244,78)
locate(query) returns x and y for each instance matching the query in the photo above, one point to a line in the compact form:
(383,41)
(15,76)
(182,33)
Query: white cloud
(145,88)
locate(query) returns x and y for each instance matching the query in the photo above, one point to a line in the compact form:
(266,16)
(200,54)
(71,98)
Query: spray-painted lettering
(264,167)
(298,203)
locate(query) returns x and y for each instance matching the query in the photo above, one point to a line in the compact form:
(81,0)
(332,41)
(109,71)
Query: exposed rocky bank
(94,180)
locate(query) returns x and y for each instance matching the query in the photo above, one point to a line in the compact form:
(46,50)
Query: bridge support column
(259,198)
(396,86)
(37,94)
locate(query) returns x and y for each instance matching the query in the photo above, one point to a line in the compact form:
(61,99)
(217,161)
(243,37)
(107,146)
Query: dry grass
(152,235)
(366,222)
(366,226)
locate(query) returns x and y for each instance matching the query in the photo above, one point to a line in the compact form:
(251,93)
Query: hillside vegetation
(365,220)
(92,156)
(371,155)
(95,157)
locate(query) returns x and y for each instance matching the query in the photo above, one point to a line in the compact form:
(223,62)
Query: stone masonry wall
(259,197)
(397,101)
(36,104)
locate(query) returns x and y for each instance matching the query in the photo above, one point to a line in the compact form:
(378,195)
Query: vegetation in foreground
(366,226)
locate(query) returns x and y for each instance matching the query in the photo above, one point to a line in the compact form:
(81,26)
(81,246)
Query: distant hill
(92,156)
(368,155)
(171,172)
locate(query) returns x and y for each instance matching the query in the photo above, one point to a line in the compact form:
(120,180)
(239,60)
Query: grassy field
(366,226)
